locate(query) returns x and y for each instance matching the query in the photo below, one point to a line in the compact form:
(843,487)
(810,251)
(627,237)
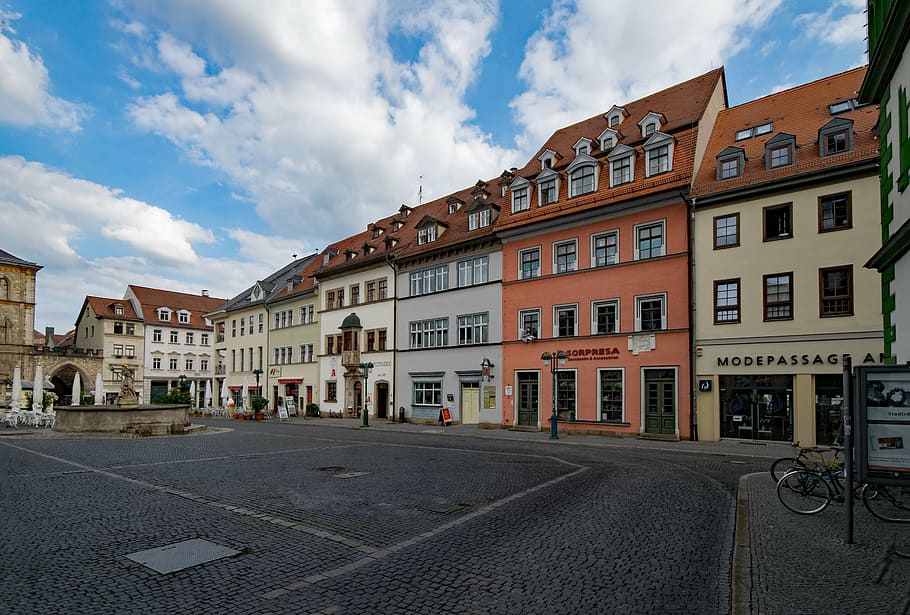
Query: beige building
(786,209)
(17,319)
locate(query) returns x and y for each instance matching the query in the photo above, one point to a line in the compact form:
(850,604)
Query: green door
(660,401)
(528,398)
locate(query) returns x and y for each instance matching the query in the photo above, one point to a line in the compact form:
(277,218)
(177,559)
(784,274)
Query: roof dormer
(583,147)
(504,180)
(367,248)
(454,204)
(608,139)
(521,194)
(615,116)
(651,123)
(164,313)
(390,242)
(183,316)
(658,153)
(376,230)
(547,159)
(482,212)
(429,229)
(257,292)
(547,187)
(403,211)
(350,255)
(396,225)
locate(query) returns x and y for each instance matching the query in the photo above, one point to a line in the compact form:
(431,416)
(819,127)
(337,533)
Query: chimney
(49,337)
(205,292)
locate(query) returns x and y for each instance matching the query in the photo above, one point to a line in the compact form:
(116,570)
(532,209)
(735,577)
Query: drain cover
(181,555)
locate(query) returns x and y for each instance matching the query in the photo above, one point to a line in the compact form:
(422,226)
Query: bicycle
(806,458)
(809,491)
(892,505)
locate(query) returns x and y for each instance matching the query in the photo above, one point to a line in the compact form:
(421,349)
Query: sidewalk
(782,562)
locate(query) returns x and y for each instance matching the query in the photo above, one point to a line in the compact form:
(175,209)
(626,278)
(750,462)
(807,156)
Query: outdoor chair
(11,418)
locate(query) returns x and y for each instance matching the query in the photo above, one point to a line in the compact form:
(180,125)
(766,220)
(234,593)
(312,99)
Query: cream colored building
(785,209)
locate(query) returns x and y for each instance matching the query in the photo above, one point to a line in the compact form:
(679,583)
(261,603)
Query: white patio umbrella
(224,394)
(193,393)
(245,394)
(208,394)
(77,389)
(16,402)
(38,389)
(99,392)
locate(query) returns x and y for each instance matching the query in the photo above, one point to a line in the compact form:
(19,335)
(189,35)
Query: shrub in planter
(312,409)
(258,404)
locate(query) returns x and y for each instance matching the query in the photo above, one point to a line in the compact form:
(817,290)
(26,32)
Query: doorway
(470,403)
(660,401)
(382,400)
(528,398)
(757,407)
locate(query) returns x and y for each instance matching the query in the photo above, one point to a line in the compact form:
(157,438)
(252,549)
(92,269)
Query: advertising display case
(883,424)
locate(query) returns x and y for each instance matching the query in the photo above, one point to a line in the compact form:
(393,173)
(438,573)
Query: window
(836,288)
(778,296)
(430,280)
(650,128)
(118,309)
(189,365)
(747,133)
(658,160)
(331,390)
(529,325)
(306,353)
(173,337)
(726,231)
(241,359)
(726,301)
(565,321)
(308,312)
(474,271)
(846,105)
(172,363)
(427,393)
(426,235)
(529,261)
(548,191)
(611,395)
(605,317)
(203,339)
(330,344)
(473,329)
(355,294)
(156,362)
(183,317)
(118,350)
(383,289)
(234,328)
(453,207)
(565,395)
(621,171)
(262,320)
(779,151)
(780,156)
(330,300)
(836,143)
(118,328)
(242,327)
(520,200)
(564,257)
(777,222)
(650,313)
(190,337)
(649,241)
(835,212)
(383,336)
(582,180)
(130,328)
(164,314)
(605,249)
(730,163)
(432,333)
(130,351)
(479,219)
(204,365)
(156,335)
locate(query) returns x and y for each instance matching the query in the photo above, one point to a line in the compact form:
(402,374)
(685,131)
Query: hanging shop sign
(883,425)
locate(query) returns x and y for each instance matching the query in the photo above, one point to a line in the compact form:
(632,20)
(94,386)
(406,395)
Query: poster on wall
(883,424)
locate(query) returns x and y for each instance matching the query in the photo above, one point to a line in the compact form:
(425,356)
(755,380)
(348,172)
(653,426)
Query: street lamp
(553,361)
(257,373)
(181,381)
(365,368)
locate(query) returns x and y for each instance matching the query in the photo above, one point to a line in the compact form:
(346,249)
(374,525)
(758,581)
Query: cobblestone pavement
(395,519)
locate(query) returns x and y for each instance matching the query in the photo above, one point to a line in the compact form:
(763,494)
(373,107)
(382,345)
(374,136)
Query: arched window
(4,288)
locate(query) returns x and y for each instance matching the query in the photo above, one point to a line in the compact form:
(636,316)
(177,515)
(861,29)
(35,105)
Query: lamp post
(181,381)
(257,373)
(365,368)
(553,361)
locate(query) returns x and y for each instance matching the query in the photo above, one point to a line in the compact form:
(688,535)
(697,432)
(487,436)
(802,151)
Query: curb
(741,582)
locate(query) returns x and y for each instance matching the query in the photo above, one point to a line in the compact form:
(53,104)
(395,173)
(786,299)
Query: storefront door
(757,407)
(660,401)
(528,398)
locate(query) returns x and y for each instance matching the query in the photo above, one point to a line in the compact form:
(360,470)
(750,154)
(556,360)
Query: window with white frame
(548,191)
(164,314)
(183,317)
(611,395)
(474,329)
(173,337)
(651,312)
(565,320)
(605,317)
(529,324)
(428,393)
(172,363)
(520,200)
(565,257)
(430,333)
(426,235)
(621,165)
(130,351)
(156,335)
(605,249)
(479,219)
(234,327)
(649,240)
(203,365)
(474,271)
(156,362)
(308,312)
(188,365)
(582,180)
(262,321)
(430,280)
(203,339)
(118,350)
(529,263)
(190,338)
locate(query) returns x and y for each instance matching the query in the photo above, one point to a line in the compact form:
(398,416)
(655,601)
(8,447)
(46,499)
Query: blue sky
(190,144)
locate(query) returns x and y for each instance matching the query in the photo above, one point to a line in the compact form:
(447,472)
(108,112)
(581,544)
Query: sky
(200,144)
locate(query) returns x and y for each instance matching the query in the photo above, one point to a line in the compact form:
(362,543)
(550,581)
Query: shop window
(565,395)
(611,395)
(829,409)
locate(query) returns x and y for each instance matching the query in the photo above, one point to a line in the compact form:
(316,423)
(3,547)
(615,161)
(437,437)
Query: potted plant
(258,404)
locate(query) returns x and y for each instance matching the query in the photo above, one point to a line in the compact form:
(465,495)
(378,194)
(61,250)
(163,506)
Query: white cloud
(25,99)
(843,23)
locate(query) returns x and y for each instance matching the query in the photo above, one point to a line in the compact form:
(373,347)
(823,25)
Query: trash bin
(401,414)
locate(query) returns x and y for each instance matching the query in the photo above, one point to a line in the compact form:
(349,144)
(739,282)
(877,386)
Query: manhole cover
(331,469)
(181,555)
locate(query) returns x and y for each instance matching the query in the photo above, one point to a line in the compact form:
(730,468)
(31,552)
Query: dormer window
(377,231)
(403,211)
(615,116)
(395,225)
(608,139)
(754,131)
(164,314)
(455,205)
(730,163)
(183,317)
(479,219)
(368,249)
(651,123)
(521,200)
(426,235)
(835,137)
(547,160)
(583,174)
(390,242)
(658,154)
(622,165)
(582,147)
(118,309)
(547,187)
(780,151)
(350,255)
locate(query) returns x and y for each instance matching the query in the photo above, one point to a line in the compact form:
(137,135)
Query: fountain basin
(144,420)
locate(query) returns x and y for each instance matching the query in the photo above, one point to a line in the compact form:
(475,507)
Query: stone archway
(61,375)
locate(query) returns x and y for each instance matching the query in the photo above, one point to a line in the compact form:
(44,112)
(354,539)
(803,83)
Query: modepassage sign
(883,438)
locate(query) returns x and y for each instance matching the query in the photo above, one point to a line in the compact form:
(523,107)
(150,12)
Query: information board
(446,416)
(883,425)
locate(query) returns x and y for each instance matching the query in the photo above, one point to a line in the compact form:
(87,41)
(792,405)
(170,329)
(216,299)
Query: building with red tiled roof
(786,207)
(595,252)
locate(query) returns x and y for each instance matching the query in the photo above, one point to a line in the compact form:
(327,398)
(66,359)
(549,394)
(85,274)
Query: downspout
(394,337)
(693,385)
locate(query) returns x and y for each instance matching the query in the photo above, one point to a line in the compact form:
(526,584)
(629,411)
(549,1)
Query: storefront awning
(290,380)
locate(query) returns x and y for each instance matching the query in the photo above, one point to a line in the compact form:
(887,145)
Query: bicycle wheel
(783,465)
(887,502)
(804,492)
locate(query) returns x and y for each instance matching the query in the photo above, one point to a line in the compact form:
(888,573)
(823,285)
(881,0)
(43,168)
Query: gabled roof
(8,259)
(150,299)
(104,307)
(273,286)
(801,112)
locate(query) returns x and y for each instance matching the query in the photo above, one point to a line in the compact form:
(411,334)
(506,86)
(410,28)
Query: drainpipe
(693,384)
